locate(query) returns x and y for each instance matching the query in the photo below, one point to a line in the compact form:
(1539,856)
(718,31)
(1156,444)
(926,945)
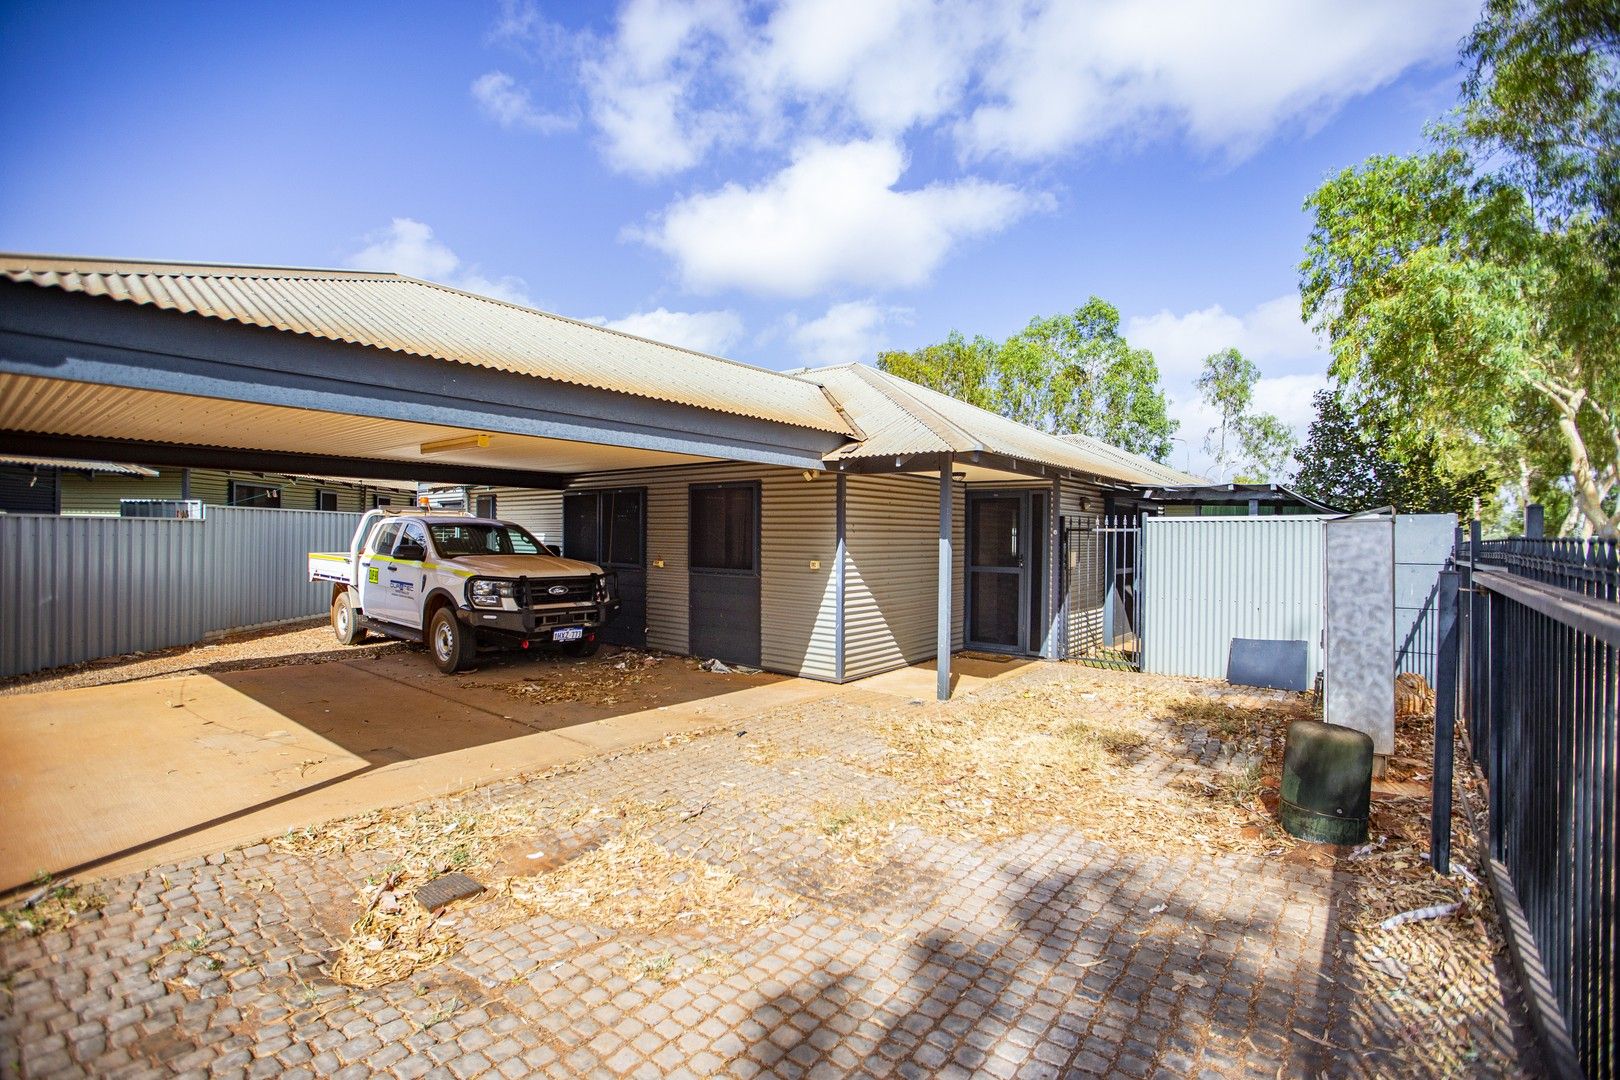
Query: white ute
(458,582)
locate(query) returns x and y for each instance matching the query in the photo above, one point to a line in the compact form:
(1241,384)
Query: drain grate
(447,890)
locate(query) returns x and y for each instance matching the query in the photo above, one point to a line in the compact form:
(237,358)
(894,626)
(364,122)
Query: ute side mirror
(409,549)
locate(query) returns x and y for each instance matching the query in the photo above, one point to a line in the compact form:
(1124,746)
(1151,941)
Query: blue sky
(803,182)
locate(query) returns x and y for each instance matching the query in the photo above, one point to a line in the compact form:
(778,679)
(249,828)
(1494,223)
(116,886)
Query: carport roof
(902,419)
(402,314)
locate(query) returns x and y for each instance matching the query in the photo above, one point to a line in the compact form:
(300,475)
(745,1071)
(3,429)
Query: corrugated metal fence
(78,588)
(1206,581)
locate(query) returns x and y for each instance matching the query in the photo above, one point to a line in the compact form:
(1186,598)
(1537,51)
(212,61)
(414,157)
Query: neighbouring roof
(901,418)
(73,465)
(420,318)
(1206,492)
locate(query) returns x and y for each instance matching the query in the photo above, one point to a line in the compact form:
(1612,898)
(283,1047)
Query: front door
(609,528)
(1006,564)
(724,572)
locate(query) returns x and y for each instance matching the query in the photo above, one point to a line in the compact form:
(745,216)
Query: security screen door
(724,619)
(1006,564)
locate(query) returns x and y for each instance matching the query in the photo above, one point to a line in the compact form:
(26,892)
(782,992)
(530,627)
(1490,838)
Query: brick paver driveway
(1045,954)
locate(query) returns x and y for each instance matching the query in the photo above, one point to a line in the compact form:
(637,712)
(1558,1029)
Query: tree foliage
(1063,373)
(1472,290)
(1348,462)
(1255,445)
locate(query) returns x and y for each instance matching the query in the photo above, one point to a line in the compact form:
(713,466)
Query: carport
(934,525)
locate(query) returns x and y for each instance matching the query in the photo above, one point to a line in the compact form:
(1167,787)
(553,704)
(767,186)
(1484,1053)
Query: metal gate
(1102,562)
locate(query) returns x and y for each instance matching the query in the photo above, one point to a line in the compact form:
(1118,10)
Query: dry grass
(52,905)
(993,767)
(394,935)
(598,683)
(629,882)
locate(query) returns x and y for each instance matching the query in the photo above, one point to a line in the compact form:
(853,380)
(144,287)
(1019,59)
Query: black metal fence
(1533,674)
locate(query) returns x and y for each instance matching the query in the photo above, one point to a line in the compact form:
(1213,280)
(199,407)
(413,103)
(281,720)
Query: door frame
(602,526)
(757,574)
(1026,571)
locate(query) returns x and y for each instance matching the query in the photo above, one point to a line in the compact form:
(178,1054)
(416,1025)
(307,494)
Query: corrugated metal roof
(402,314)
(1163,474)
(901,418)
(77,466)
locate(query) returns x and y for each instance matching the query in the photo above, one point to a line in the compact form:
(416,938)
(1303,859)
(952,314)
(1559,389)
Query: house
(1203,499)
(38,485)
(830,523)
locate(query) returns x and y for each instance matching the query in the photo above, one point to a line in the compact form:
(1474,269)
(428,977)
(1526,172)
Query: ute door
(407,574)
(374,560)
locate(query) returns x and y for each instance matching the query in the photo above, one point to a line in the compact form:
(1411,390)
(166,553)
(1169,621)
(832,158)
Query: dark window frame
(322,494)
(692,492)
(232,487)
(478,505)
(601,548)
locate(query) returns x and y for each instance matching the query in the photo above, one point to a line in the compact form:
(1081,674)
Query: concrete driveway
(105,780)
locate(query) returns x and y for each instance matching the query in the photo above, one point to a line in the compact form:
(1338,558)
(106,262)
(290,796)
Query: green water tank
(1326,783)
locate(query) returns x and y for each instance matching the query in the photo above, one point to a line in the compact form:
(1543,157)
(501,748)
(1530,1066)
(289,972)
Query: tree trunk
(1588,496)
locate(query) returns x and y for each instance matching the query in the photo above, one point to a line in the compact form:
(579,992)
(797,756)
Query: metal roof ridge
(107,265)
(893,386)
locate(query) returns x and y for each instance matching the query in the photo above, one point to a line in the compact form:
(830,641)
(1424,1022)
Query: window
(622,545)
(465,538)
(379,501)
(260,495)
(724,528)
(326,500)
(484,506)
(412,542)
(384,537)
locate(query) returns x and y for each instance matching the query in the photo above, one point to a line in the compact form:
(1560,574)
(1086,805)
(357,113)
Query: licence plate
(568,633)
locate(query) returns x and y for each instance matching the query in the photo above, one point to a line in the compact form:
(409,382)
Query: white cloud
(1292,361)
(1025,79)
(408,247)
(648,81)
(703,331)
(849,332)
(1269,333)
(1226,76)
(509,105)
(832,217)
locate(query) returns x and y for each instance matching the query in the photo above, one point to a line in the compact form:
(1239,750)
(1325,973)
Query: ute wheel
(451,643)
(345,621)
(582,649)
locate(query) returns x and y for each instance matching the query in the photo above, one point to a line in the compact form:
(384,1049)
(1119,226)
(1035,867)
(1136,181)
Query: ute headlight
(488,593)
(607,587)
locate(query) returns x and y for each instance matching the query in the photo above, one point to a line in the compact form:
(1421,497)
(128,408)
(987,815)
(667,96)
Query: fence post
(1535,526)
(1445,723)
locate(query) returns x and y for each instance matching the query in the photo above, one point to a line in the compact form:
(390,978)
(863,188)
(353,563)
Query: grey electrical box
(1358,633)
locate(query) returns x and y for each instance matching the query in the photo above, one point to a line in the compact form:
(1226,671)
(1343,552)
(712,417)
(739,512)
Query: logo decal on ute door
(371,575)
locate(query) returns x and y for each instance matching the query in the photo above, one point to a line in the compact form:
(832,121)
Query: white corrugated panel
(1205,581)
(891,571)
(386,311)
(797,526)
(541,512)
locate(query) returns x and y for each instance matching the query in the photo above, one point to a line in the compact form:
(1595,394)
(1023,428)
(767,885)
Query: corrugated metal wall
(541,512)
(1206,581)
(891,566)
(100,493)
(79,588)
(798,522)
